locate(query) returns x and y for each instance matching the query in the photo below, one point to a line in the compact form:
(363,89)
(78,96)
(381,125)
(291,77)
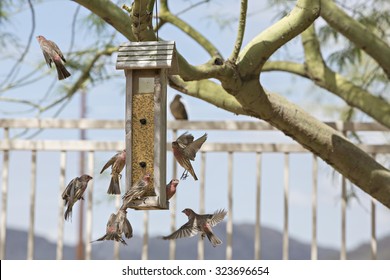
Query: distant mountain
(243,247)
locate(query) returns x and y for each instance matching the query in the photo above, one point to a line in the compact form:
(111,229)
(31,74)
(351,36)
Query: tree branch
(324,77)
(85,75)
(285,66)
(240,32)
(112,14)
(319,138)
(356,32)
(209,92)
(166,16)
(15,68)
(257,52)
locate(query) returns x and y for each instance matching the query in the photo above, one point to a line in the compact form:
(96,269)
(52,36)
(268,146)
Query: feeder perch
(146,66)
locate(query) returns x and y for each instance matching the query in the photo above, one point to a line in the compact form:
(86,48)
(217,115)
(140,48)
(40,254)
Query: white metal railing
(90,146)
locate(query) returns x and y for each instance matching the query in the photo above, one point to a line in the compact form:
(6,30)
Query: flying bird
(185,149)
(117,163)
(73,192)
(52,53)
(117,225)
(138,190)
(178,109)
(171,188)
(199,224)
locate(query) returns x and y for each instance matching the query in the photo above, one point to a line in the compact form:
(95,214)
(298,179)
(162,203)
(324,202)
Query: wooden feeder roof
(148,55)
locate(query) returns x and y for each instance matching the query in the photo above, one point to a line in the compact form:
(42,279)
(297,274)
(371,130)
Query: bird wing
(192,148)
(186,230)
(217,217)
(57,49)
(109,163)
(127,229)
(72,191)
(67,191)
(111,221)
(185,139)
(47,58)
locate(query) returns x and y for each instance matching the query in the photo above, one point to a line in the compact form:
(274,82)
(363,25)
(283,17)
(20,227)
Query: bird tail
(127,229)
(62,72)
(114,185)
(111,236)
(68,213)
(192,172)
(213,239)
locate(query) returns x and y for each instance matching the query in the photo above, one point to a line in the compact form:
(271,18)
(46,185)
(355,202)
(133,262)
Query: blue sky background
(106,101)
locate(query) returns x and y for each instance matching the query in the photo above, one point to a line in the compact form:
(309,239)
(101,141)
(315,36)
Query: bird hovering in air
(185,149)
(52,53)
(178,110)
(73,192)
(117,225)
(199,224)
(117,163)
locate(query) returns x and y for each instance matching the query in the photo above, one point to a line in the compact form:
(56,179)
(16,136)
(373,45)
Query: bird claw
(184,175)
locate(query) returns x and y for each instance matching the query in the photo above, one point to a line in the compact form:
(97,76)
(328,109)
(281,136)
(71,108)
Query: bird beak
(183,211)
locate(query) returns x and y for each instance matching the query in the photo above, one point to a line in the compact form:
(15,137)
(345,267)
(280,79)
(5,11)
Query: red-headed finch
(199,223)
(52,53)
(73,192)
(185,149)
(171,188)
(177,108)
(117,163)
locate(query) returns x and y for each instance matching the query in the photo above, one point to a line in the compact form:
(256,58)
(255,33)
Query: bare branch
(112,14)
(209,92)
(20,101)
(257,52)
(85,75)
(240,32)
(192,6)
(9,78)
(72,38)
(167,16)
(285,66)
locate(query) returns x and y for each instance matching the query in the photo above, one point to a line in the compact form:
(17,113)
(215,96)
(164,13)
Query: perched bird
(138,190)
(117,163)
(117,225)
(171,188)
(199,223)
(73,192)
(184,149)
(52,53)
(178,109)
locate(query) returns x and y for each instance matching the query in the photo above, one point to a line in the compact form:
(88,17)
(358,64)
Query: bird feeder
(146,66)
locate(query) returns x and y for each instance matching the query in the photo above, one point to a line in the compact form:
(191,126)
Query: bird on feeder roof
(185,149)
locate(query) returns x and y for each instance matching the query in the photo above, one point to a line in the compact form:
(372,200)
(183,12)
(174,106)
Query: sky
(106,101)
